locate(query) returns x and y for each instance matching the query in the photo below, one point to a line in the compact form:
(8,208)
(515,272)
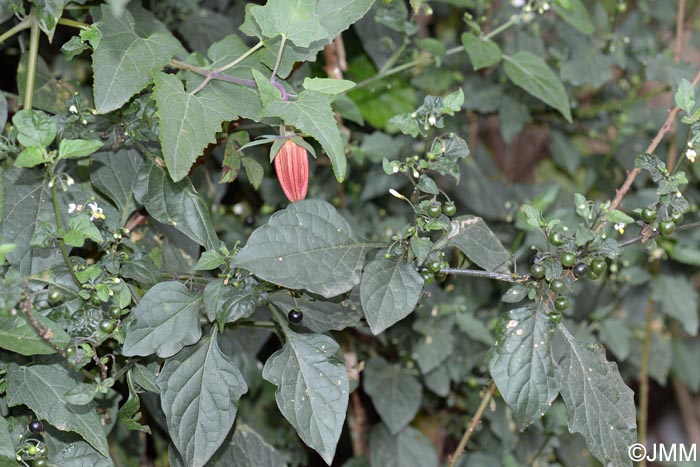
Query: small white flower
(69,180)
(395,169)
(73,109)
(690,154)
(620,227)
(238,209)
(657,253)
(96,212)
(518,3)
(72,207)
(432,120)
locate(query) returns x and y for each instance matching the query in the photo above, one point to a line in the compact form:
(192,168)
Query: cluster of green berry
(434,270)
(32,449)
(592,268)
(666,226)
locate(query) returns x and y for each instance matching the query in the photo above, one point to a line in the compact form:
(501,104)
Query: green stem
(279,59)
(513,20)
(250,51)
(73,23)
(62,244)
(32,59)
(472,424)
(21,26)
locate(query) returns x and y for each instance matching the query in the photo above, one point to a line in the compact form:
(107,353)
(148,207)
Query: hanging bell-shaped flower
(292,167)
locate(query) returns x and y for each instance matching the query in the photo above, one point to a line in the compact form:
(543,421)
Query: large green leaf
(296,20)
(43,389)
(476,240)
(395,392)
(17,335)
(601,407)
(27,204)
(200,388)
(34,127)
(175,204)
(334,17)
(306,246)
(7,446)
(132,46)
(409,448)
(189,122)
(312,389)
(531,73)
(311,113)
(113,173)
(165,320)
(389,291)
(522,365)
(678,300)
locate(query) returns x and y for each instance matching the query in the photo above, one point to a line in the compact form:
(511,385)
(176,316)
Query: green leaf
(482,52)
(130,413)
(17,335)
(515,294)
(311,113)
(410,448)
(175,204)
(165,320)
(200,388)
(601,407)
(145,377)
(685,96)
(26,206)
(320,315)
(34,127)
(254,171)
(77,148)
(113,173)
(209,260)
(620,217)
(48,12)
(678,299)
(80,454)
(616,336)
(306,246)
(533,216)
(187,122)
(474,238)
(389,292)
(420,247)
(132,46)
(395,393)
(81,394)
(249,449)
(576,15)
(7,446)
(531,73)
(80,228)
(227,304)
(328,85)
(31,157)
(522,365)
(312,389)
(42,388)
(296,20)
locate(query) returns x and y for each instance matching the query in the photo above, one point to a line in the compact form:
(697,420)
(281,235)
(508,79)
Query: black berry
(295,316)
(580,269)
(35,426)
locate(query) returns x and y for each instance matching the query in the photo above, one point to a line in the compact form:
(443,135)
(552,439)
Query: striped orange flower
(292,167)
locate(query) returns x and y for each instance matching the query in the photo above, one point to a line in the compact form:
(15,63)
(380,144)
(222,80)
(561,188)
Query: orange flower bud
(292,167)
